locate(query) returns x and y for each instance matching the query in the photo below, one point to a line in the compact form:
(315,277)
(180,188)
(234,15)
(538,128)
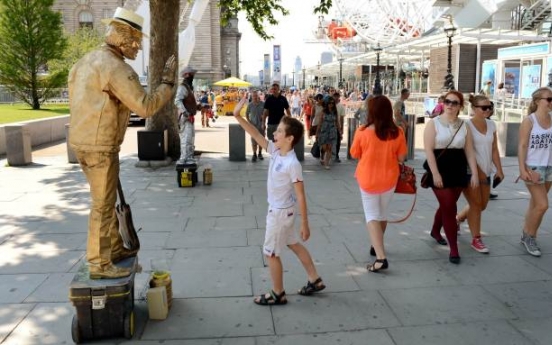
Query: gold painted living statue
(103,89)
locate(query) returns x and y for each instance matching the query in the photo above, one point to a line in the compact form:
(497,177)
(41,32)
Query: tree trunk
(164,16)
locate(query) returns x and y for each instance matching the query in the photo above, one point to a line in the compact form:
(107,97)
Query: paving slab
(444,305)
(474,333)
(537,330)
(231,223)
(544,262)
(190,283)
(53,289)
(16,288)
(47,323)
(526,299)
(337,278)
(318,313)
(505,269)
(323,253)
(403,274)
(19,260)
(211,318)
(207,238)
(361,337)
(11,315)
(217,258)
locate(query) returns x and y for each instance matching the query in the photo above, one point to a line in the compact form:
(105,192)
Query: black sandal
(272,299)
(313,287)
(372,267)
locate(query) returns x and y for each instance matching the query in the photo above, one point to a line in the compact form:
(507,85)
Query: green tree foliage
(259,12)
(31,35)
(81,42)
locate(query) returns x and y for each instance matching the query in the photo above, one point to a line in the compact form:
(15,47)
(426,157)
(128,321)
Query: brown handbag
(406,184)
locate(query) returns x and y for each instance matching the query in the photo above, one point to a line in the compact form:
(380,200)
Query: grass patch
(10,113)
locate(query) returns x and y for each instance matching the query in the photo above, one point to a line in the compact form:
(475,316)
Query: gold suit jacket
(103,89)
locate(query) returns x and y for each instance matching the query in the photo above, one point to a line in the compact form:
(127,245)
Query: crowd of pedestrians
(462,158)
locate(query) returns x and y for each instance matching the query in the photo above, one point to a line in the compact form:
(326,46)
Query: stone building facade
(216,52)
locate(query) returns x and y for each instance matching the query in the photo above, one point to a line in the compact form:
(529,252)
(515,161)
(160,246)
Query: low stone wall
(43,131)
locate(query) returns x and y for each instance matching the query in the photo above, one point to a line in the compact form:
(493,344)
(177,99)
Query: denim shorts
(544,171)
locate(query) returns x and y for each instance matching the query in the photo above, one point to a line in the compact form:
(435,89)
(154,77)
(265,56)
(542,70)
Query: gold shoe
(109,271)
(123,254)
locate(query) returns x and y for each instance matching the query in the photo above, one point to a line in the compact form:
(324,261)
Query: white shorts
(280,230)
(375,204)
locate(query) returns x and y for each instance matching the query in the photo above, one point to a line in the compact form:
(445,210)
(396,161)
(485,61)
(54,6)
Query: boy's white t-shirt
(283,172)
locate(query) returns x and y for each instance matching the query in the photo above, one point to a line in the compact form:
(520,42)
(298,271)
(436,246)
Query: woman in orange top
(380,145)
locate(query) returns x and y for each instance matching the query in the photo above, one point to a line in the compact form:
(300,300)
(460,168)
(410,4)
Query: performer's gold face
(127,39)
(130,47)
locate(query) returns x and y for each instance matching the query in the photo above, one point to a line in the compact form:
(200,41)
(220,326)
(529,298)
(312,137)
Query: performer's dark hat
(188,69)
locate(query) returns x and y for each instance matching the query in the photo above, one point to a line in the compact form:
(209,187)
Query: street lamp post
(304,87)
(293,78)
(340,81)
(319,75)
(449,78)
(377,83)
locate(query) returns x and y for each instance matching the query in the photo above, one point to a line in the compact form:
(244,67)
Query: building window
(107,13)
(86,19)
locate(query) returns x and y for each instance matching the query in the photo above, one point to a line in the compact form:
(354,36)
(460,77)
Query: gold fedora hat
(127,17)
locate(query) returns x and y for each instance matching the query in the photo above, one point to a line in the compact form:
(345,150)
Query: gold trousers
(102,171)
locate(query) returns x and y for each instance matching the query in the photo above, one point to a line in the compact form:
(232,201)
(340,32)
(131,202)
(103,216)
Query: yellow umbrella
(232,82)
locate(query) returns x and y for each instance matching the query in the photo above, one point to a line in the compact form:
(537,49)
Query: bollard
(236,142)
(71,157)
(300,149)
(410,130)
(18,145)
(352,124)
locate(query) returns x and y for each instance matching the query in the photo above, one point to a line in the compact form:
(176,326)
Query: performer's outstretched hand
(169,71)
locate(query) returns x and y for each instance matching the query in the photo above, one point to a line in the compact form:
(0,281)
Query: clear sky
(290,33)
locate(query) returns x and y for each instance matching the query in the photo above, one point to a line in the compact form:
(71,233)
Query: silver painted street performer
(186,106)
(103,89)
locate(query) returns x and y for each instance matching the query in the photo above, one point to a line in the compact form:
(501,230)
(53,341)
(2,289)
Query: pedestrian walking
(276,106)
(254,114)
(285,176)
(379,145)
(483,132)
(448,146)
(535,164)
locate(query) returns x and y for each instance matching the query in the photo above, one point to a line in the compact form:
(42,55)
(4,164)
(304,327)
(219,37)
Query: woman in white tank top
(535,164)
(486,154)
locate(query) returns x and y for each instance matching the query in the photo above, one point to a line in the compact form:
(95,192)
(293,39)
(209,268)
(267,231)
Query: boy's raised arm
(248,127)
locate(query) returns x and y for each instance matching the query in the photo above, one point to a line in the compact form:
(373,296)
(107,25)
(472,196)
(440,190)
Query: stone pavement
(212,237)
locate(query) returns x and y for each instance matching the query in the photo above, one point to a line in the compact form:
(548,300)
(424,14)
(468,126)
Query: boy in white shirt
(285,175)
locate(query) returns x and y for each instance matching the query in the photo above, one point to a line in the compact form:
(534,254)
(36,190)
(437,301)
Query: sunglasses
(453,103)
(548,99)
(484,107)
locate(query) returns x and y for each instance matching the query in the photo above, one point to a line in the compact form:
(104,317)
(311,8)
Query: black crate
(186,175)
(104,307)
(152,145)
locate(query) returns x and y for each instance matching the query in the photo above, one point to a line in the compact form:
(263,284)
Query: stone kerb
(43,131)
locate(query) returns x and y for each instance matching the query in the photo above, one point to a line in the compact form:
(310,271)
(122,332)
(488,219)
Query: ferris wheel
(389,21)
